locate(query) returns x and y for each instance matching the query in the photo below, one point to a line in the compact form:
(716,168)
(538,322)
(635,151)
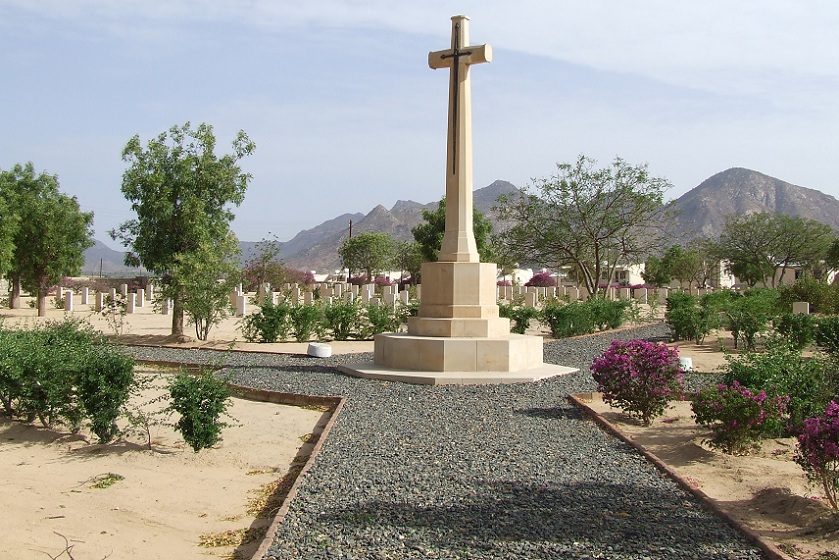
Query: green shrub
(103,384)
(272,323)
(305,321)
(799,329)
(343,318)
(823,298)
(826,335)
(569,319)
(737,415)
(519,315)
(607,313)
(780,369)
(749,313)
(200,401)
(687,319)
(384,318)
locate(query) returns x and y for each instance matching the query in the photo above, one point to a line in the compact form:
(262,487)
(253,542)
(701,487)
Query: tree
(181,192)
(370,251)
(50,237)
(409,258)
(208,275)
(429,234)
(760,247)
(589,219)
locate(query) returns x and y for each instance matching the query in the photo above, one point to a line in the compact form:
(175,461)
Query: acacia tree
(429,234)
(370,251)
(181,192)
(409,258)
(50,236)
(589,219)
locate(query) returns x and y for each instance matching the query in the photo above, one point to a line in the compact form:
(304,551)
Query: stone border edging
(767,548)
(336,404)
(293,399)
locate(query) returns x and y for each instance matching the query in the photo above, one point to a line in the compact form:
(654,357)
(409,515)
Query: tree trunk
(42,302)
(177,317)
(14,295)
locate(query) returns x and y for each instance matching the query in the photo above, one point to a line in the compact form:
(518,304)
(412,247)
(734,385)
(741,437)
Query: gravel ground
(485,472)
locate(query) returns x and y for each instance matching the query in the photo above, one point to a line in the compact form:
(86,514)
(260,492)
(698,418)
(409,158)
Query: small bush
(826,335)
(384,317)
(343,318)
(272,323)
(638,376)
(809,383)
(823,298)
(749,314)
(200,400)
(607,313)
(104,382)
(798,329)
(736,415)
(570,319)
(683,316)
(519,315)
(305,321)
(818,451)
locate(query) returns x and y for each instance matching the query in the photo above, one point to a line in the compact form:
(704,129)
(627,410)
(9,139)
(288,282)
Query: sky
(346,114)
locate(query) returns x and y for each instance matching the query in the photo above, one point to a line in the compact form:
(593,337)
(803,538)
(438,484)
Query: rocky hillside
(743,191)
(702,213)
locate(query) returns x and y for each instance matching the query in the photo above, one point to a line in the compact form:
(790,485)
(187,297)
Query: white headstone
(800,308)
(68,300)
(141,297)
(130,303)
(85,296)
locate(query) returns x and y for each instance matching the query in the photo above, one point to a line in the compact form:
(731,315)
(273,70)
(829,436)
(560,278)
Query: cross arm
(469,55)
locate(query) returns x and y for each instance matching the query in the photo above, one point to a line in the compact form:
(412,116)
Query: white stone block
(130,303)
(801,308)
(141,297)
(85,296)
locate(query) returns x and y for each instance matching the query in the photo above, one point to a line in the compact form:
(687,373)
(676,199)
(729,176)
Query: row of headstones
(133,300)
(327,292)
(533,295)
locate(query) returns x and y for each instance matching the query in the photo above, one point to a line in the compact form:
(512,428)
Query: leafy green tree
(207,275)
(181,192)
(368,251)
(50,236)
(429,234)
(587,218)
(656,271)
(760,247)
(408,258)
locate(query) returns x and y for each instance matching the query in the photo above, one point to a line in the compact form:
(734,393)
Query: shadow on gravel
(596,516)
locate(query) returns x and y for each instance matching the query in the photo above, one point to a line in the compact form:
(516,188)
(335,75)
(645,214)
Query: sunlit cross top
(459,239)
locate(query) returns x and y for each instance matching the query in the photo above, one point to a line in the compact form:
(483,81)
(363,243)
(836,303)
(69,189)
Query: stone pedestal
(458,329)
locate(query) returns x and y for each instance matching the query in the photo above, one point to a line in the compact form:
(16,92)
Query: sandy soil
(767,491)
(45,475)
(165,500)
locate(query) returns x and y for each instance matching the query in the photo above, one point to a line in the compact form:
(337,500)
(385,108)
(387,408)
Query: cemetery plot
(125,501)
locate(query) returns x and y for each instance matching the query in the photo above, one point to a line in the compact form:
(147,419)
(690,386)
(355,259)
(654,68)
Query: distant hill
(743,191)
(322,252)
(702,213)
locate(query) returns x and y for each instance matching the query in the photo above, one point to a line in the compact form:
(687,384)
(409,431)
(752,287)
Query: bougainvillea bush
(737,416)
(818,451)
(638,377)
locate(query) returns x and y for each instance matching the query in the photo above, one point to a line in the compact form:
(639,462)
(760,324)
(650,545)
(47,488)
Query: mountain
(702,210)
(102,259)
(322,253)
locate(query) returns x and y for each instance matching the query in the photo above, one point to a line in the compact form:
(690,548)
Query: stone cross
(459,238)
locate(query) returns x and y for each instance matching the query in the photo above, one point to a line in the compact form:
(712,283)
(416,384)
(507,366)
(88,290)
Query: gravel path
(485,472)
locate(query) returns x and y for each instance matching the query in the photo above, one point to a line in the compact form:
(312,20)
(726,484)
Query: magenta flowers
(638,376)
